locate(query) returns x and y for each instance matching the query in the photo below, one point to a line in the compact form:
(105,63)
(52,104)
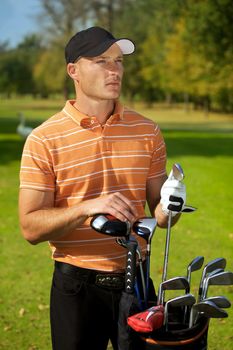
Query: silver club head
(183,300)
(207,309)
(220,301)
(215,272)
(178,172)
(224,278)
(175,283)
(211,266)
(194,265)
(145,227)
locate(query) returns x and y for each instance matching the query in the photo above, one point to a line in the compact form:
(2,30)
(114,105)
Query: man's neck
(102,110)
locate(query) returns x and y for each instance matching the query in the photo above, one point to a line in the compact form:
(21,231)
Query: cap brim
(127,46)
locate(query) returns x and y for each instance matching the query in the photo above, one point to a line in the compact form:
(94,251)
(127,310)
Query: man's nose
(114,67)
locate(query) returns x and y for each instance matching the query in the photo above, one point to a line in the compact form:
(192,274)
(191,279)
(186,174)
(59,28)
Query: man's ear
(72,71)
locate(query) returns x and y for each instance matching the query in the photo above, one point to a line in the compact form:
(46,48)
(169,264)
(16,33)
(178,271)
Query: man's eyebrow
(103,56)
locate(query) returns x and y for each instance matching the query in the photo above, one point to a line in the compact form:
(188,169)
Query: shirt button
(92,121)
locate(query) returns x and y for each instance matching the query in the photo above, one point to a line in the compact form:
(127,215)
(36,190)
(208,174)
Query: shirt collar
(77,116)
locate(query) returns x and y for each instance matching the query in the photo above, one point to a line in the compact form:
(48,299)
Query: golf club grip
(130,272)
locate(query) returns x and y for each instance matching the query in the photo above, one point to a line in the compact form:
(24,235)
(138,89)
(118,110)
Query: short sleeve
(159,157)
(36,171)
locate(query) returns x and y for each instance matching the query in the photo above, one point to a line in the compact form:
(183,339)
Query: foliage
(15,74)
(210,26)
(16,67)
(184,50)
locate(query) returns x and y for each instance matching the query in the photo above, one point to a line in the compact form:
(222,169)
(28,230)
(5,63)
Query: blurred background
(181,76)
(184,47)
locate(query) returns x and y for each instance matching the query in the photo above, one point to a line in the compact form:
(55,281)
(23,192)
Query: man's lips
(113,83)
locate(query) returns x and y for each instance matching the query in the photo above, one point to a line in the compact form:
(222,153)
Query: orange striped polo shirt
(74,156)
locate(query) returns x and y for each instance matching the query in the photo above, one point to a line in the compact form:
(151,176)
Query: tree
(209,29)
(148,23)
(62,18)
(15,74)
(107,12)
(50,73)
(16,66)
(209,23)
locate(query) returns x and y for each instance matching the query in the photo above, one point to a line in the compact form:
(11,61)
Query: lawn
(202,144)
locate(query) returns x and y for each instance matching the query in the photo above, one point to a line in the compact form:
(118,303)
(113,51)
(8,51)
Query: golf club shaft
(165,264)
(143,283)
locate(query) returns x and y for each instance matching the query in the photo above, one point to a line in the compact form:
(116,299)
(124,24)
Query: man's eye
(101,61)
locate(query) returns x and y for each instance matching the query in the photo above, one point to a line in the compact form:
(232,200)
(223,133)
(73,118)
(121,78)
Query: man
(95,156)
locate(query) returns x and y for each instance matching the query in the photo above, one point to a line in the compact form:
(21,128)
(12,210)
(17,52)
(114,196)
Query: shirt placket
(106,133)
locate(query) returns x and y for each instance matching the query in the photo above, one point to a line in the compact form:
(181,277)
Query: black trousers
(83,315)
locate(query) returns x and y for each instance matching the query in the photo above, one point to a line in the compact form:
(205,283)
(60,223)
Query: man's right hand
(115,204)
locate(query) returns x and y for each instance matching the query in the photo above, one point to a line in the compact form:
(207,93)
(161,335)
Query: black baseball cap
(93,42)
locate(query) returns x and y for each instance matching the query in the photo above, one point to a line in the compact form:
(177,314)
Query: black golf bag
(178,337)
(139,310)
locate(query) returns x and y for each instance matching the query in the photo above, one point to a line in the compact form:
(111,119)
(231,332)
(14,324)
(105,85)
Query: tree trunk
(186,102)
(168,99)
(109,15)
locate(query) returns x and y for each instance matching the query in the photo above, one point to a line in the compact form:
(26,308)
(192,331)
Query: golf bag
(177,337)
(144,322)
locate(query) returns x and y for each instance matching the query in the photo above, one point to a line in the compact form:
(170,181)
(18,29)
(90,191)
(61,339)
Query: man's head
(95,63)
(93,42)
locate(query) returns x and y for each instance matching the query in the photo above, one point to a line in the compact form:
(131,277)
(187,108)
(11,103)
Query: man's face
(100,77)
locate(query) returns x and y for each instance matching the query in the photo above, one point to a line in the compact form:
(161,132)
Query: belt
(99,278)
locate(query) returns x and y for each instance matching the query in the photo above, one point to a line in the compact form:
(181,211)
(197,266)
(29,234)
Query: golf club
(145,228)
(178,174)
(207,309)
(184,300)
(224,278)
(111,226)
(215,272)
(194,265)
(175,283)
(211,266)
(142,275)
(220,301)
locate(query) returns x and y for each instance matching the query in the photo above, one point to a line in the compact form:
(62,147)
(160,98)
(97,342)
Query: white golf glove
(173,196)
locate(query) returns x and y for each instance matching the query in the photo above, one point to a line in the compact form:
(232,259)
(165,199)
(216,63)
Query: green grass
(203,146)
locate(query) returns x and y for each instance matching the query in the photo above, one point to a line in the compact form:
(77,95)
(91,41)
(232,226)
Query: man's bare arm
(40,221)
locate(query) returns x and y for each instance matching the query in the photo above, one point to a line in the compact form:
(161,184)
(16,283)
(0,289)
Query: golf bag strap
(177,342)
